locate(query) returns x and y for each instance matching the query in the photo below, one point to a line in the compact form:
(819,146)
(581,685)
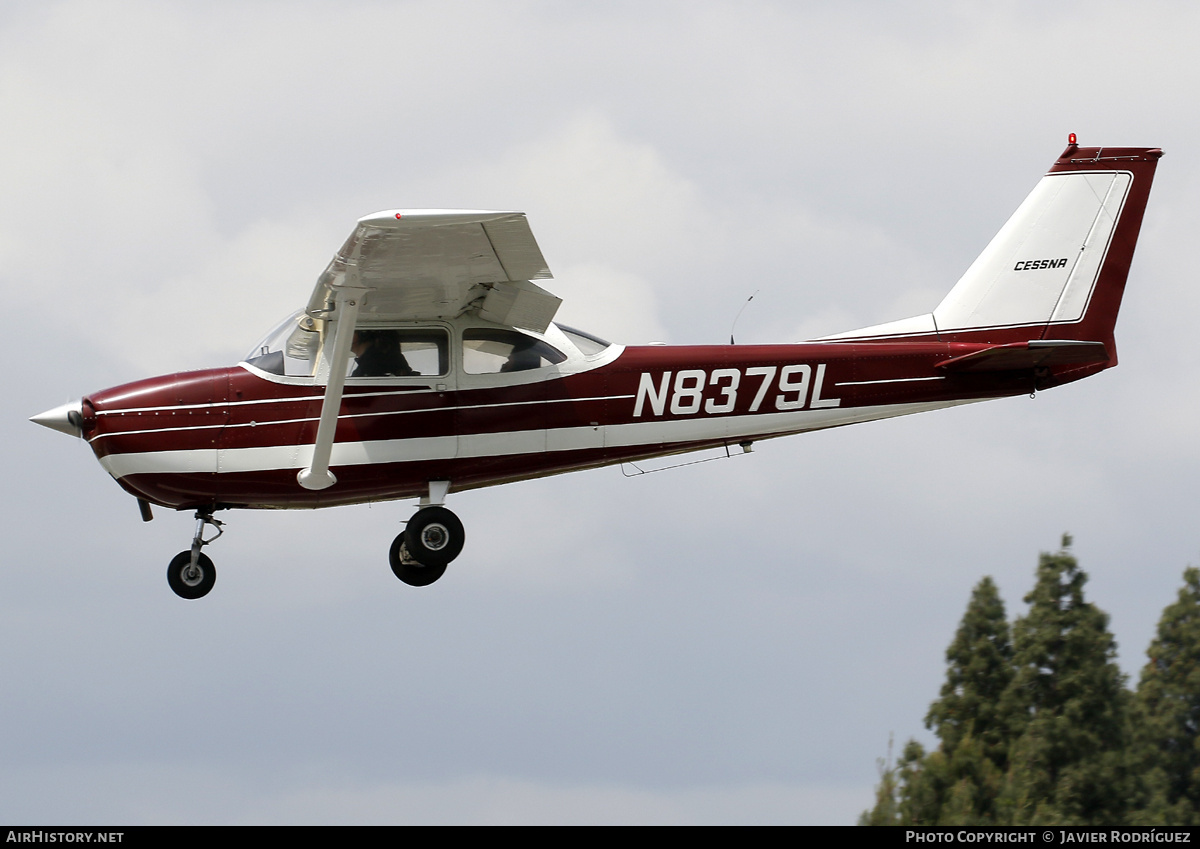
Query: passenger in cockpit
(377,354)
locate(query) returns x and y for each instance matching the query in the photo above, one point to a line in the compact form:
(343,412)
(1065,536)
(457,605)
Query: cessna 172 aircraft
(427,362)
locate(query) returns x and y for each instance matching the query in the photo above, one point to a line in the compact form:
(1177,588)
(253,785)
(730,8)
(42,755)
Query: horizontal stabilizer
(1023,356)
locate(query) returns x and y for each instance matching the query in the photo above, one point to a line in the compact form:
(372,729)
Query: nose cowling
(68,418)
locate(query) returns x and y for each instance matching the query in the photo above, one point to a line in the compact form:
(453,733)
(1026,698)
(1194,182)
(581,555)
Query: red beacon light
(1070,140)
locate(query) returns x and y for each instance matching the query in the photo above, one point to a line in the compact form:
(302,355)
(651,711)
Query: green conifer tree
(978,672)
(1166,749)
(1067,707)
(957,783)
(1037,731)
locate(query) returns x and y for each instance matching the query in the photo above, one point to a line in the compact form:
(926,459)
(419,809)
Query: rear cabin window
(488,351)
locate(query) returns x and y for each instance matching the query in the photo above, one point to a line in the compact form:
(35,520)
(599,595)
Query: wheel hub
(192,576)
(435,537)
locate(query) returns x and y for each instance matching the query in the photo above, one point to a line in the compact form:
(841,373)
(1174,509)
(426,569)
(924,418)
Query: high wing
(439,263)
(402,265)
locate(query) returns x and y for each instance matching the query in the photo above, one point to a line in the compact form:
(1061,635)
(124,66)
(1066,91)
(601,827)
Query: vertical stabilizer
(1057,268)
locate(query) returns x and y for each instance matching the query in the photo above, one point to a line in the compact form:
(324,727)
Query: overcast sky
(731,642)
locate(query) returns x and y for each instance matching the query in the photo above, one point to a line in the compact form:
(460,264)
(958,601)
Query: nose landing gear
(192,574)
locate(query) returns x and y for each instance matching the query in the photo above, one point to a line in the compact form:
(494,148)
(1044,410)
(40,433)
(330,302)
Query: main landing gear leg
(191,573)
(433,537)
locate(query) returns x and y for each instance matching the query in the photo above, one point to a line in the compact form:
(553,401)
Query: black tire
(434,536)
(409,570)
(195,585)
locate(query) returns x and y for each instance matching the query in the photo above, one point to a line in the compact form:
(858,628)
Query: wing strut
(317,475)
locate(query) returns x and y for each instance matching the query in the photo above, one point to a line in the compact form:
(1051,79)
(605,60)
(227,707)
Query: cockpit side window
(399,352)
(496,351)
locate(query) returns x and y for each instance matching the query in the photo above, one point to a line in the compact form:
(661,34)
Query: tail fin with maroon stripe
(1057,270)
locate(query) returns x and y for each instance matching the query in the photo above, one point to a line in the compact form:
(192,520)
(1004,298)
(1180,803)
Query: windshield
(289,349)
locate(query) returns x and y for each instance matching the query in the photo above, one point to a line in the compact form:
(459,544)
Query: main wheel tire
(434,536)
(189,583)
(410,571)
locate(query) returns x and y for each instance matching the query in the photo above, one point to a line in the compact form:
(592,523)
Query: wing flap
(1024,356)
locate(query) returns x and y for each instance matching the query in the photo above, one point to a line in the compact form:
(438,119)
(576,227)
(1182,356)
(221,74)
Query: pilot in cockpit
(377,354)
(524,355)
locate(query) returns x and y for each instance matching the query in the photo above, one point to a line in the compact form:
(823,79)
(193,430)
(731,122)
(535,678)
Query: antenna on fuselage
(739,315)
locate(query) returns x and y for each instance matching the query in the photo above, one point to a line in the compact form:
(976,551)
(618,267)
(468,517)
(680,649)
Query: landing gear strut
(192,574)
(432,538)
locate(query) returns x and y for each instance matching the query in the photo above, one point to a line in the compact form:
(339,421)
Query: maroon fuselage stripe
(209,410)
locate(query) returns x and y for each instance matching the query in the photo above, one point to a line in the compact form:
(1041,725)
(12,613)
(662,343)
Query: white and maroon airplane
(426,362)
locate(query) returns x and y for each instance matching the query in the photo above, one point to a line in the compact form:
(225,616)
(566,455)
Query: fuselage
(236,436)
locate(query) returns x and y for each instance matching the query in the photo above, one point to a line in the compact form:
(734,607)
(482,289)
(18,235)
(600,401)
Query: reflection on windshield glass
(289,349)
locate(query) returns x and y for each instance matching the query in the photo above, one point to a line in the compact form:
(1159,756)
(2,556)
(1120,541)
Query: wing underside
(426,264)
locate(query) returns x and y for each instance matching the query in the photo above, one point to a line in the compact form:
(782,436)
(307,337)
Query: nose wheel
(433,537)
(190,573)
(188,580)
